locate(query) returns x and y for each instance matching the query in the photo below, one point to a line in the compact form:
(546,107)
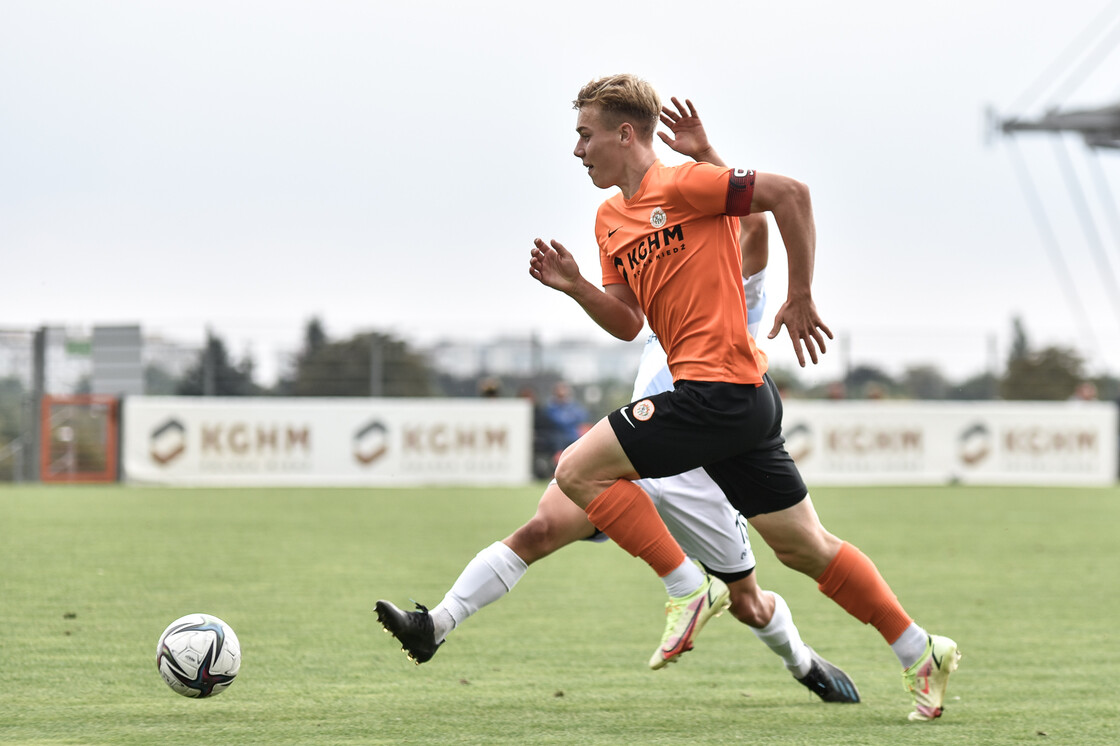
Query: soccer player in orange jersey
(669,256)
(693,507)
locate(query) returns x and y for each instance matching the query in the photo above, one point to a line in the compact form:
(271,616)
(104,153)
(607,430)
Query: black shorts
(732,430)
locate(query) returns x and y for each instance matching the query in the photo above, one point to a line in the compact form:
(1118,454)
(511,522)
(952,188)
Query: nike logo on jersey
(626,417)
(613,231)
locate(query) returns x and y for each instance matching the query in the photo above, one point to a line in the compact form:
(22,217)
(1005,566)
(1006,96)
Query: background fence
(36,364)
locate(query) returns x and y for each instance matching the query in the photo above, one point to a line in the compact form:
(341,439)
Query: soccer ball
(198,655)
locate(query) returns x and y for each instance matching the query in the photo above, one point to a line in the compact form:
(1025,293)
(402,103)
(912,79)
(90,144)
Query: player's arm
(615,307)
(789,201)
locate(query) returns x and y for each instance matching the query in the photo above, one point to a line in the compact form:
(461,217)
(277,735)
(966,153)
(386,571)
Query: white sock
(910,645)
(781,635)
(684,580)
(490,575)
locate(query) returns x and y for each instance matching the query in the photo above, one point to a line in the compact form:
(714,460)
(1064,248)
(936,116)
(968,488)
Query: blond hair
(623,98)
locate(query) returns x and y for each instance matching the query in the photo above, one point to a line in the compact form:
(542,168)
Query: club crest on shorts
(657,218)
(643,410)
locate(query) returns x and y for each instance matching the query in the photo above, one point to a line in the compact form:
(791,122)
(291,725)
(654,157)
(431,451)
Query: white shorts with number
(702,521)
(693,507)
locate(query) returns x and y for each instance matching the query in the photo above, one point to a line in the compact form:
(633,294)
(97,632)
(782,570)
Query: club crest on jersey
(643,410)
(657,218)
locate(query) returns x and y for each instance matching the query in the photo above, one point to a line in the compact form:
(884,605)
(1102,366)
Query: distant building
(69,357)
(578,361)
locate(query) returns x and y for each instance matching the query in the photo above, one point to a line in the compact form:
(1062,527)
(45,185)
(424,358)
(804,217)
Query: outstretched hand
(805,327)
(689,137)
(553,265)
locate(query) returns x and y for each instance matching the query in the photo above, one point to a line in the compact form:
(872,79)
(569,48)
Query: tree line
(378,364)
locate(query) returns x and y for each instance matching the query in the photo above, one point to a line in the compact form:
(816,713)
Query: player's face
(598,148)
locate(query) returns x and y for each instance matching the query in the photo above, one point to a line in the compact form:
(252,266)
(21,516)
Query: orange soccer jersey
(677,247)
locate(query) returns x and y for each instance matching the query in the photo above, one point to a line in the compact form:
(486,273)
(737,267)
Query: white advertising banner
(269,441)
(877,442)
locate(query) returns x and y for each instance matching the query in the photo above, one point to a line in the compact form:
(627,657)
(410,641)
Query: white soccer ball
(198,655)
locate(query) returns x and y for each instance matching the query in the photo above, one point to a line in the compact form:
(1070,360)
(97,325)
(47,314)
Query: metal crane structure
(1099,127)
(1099,130)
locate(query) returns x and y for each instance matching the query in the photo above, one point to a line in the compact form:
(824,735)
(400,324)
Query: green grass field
(1024,579)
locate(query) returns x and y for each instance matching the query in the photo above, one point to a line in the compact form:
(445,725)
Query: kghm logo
(974,444)
(247,439)
(168,441)
(371,442)
(656,245)
(799,441)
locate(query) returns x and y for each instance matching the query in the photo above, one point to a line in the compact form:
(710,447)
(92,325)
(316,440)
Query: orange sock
(625,513)
(853,581)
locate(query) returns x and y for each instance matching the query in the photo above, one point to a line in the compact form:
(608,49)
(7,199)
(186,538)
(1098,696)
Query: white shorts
(693,506)
(700,518)
(702,521)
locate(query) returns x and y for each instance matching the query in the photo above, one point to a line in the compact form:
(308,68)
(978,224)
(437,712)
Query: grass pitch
(1024,579)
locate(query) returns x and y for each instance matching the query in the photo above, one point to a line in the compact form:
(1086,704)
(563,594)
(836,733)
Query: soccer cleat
(413,629)
(927,678)
(828,682)
(686,616)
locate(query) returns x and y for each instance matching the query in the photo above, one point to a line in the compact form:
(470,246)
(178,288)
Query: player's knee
(574,481)
(567,475)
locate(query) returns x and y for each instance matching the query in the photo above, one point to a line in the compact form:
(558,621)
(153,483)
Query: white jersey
(693,506)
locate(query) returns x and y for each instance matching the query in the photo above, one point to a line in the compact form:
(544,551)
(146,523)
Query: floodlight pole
(38,389)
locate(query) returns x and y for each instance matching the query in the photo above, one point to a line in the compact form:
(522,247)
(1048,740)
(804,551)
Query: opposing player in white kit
(693,507)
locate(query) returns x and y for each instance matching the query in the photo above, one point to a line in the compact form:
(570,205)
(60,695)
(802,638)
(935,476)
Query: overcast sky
(247,166)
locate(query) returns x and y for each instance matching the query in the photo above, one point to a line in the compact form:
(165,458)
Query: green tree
(865,380)
(215,374)
(364,365)
(924,382)
(1020,347)
(314,336)
(978,387)
(1046,375)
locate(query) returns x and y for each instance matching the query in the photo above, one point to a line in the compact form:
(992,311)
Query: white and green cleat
(927,679)
(686,616)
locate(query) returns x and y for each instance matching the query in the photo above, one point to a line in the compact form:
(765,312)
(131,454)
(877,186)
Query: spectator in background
(489,388)
(544,436)
(1085,391)
(568,416)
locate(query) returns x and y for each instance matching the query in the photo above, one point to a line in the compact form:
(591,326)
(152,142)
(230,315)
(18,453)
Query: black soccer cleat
(828,682)
(413,629)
